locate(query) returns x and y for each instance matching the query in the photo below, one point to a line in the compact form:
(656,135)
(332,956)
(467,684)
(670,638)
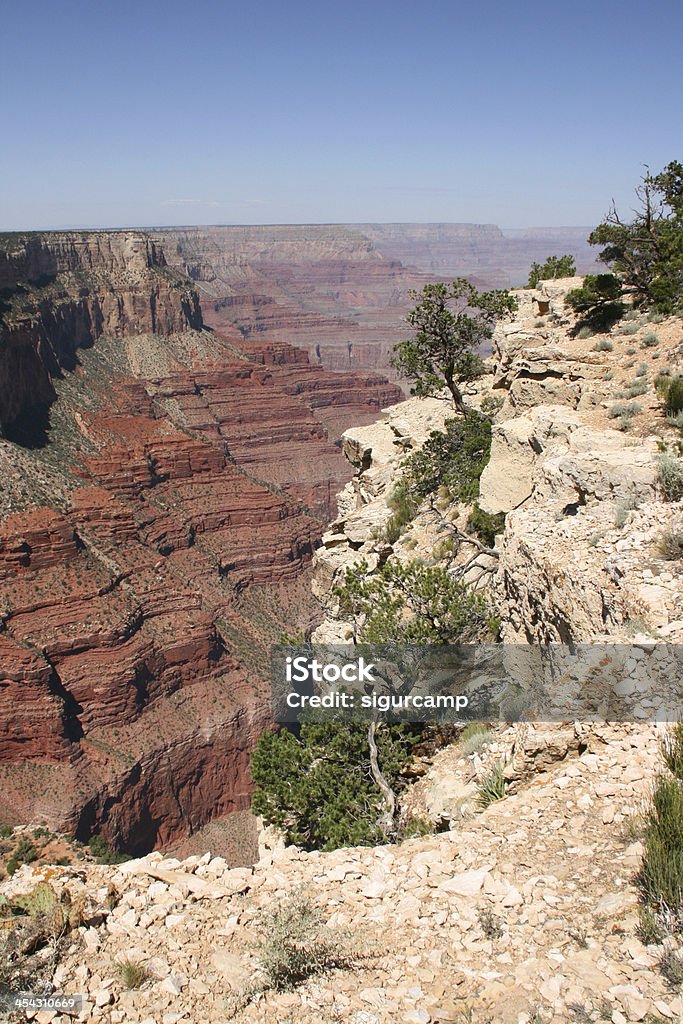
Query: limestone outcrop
(581,557)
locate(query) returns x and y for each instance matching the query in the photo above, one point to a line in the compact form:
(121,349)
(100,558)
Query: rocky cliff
(574,466)
(59,292)
(164,489)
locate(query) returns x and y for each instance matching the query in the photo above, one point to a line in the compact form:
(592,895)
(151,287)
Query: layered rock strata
(164,489)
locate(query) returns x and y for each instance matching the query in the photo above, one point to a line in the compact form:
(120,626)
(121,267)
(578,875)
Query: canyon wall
(342,291)
(164,489)
(61,291)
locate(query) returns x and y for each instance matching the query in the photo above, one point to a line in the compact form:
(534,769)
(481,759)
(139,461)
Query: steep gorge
(164,488)
(341,291)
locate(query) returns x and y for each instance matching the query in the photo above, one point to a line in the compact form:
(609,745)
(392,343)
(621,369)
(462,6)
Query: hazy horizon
(276,224)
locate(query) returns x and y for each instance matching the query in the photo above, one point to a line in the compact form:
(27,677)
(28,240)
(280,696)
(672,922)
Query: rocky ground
(524,912)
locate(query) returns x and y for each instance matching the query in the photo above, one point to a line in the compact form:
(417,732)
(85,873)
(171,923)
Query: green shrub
(407,602)
(317,786)
(24,852)
(597,302)
(670,391)
(552,268)
(454,458)
(629,329)
(650,340)
(403,504)
(661,873)
(603,345)
(485,525)
(104,853)
(642,370)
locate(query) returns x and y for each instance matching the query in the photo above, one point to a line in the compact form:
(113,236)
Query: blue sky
(153,112)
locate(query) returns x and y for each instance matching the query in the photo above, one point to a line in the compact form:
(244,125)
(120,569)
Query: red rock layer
(134,624)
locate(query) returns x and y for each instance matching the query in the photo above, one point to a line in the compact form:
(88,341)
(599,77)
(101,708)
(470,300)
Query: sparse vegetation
(295,945)
(670,476)
(132,973)
(670,544)
(671,966)
(621,410)
(492,786)
(490,924)
(552,268)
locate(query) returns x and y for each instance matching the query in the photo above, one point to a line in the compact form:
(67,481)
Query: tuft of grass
(584,333)
(650,340)
(636,387)
(649,929)
(296,945)
(131,973)
(580,937)
(624,506)
(624,410)
(628,329)
(603,345)
(474,737)
(492,786)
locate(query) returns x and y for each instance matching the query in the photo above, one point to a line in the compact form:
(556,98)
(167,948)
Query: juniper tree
(451,322)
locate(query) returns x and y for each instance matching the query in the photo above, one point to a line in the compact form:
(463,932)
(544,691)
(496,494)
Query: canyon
(170,412)
(524,908)
(341,291)
(164,487)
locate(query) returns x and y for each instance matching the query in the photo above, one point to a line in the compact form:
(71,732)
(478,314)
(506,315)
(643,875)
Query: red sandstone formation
(136,618)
